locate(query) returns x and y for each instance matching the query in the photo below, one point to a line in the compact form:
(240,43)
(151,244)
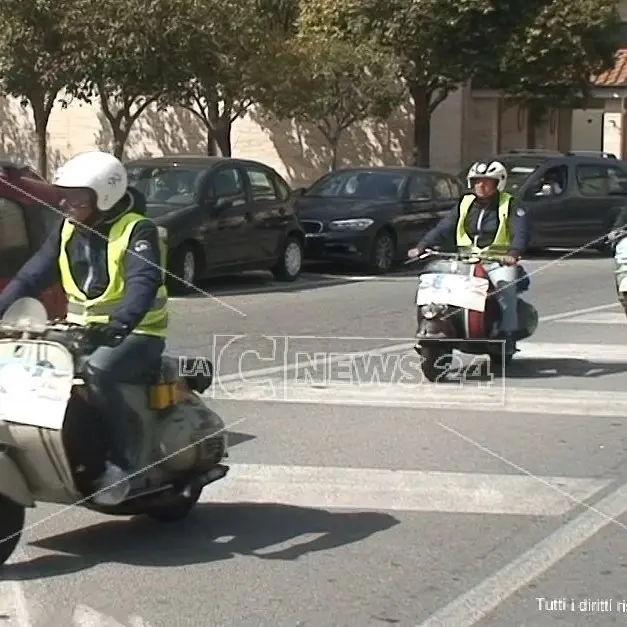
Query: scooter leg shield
(12,482)
(527,319)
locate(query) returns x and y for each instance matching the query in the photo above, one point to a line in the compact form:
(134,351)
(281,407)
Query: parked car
(373,216)
(222,216)
(572,198)
(25,221)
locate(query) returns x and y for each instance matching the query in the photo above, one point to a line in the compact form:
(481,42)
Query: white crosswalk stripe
(85,616)
(351,488)
(601,317)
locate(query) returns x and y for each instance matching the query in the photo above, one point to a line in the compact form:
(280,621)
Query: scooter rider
(108,260)
(485,219)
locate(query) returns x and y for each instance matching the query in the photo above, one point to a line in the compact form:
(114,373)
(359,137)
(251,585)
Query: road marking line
(295,366)
(577,312)
(402,490)
(474,605)
(599,318)
(12,597)
(300,365)
(445,397)
(85,616)
(549,350)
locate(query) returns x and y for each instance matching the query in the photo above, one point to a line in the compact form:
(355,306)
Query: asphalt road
(498,502)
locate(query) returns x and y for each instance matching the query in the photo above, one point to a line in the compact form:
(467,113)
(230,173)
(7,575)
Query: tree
(227,72)
(432,41)
(132,52)
(332,85)
(35,63)
(537,47)
(550,59)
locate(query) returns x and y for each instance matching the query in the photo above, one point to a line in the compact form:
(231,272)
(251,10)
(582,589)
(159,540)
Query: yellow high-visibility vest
(82,310)
(502,239)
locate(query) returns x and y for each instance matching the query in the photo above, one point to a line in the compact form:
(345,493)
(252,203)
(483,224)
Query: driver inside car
(108,259)
(486,220)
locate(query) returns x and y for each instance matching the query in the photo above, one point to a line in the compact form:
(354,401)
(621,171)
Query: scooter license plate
(452,289)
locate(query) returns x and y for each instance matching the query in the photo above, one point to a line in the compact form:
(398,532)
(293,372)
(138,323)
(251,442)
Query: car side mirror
(300,191)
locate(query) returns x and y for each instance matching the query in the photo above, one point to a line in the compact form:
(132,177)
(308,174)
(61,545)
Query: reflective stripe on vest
(502,238)
(81,310)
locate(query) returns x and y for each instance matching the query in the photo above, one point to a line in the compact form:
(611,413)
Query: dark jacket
(518,224)
(87,253)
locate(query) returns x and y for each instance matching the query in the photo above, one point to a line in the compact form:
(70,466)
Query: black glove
(114,333)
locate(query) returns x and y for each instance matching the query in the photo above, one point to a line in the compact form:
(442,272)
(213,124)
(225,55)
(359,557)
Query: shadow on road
(249,529)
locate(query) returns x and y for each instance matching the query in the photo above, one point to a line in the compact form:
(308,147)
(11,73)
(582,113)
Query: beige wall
(298,153)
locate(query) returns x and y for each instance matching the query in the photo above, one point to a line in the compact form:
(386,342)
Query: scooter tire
(498,359)
(177,511)
(12,516)
(434,363)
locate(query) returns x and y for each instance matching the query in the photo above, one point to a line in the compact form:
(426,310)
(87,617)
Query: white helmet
(98,171)
(494,170)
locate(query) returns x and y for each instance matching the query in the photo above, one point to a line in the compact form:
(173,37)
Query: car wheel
(383,253)
(290,263)
(184,267)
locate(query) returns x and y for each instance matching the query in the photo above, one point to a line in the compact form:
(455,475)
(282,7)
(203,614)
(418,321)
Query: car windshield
(166,185)
(362,185)
(518,171)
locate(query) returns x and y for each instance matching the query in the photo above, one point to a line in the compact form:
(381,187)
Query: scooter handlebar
(458,256)
(78,338)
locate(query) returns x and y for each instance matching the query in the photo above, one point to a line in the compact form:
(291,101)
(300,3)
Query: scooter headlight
(431,311)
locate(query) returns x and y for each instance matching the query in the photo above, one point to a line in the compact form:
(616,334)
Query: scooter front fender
(12,482)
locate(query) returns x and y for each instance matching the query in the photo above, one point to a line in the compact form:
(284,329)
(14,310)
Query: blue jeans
(504,280)
(108,366)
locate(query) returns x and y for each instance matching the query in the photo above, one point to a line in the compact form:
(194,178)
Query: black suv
(572,198)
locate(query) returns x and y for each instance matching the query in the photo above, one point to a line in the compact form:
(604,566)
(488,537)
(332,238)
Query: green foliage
(227,72)
(537,48)
(34,61)
(131,52)
(334,84)
(555,53)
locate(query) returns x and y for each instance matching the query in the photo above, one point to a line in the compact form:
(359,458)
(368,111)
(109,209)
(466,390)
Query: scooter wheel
(500,360)
(12,517)
(176,511)
(435,362)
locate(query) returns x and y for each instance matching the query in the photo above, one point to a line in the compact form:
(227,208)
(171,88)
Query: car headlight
(355,224)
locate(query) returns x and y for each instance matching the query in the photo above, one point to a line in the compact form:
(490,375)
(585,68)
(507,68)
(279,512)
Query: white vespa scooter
(50,436)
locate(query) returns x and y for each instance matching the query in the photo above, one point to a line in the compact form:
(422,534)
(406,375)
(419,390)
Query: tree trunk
(122,120)
(222,137)
(211,144)
(42,109)
(334,144)
(120,137)
(421,150)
